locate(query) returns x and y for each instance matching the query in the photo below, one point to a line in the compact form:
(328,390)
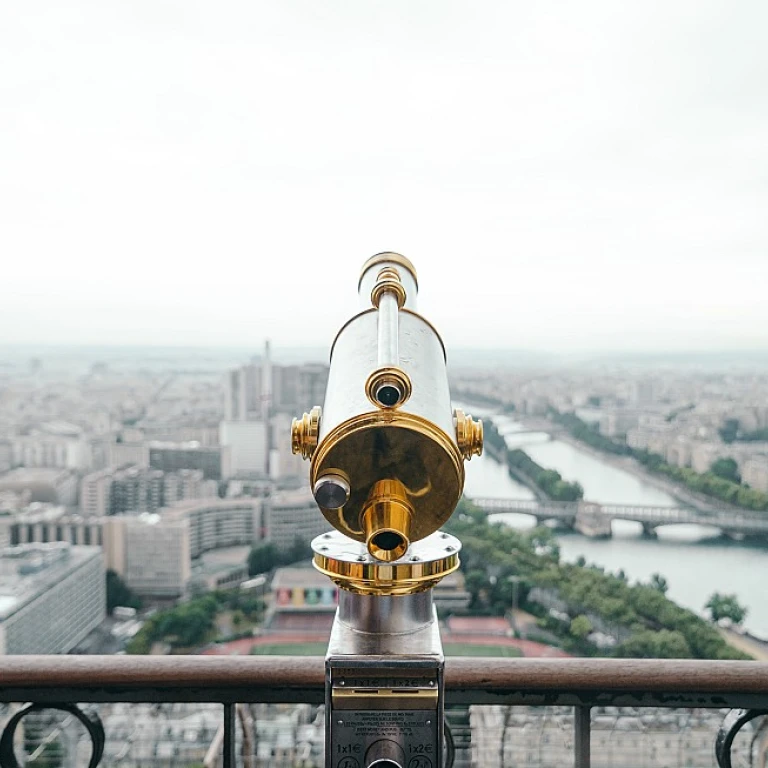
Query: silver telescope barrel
(387,450)
(389,348)
(387,457)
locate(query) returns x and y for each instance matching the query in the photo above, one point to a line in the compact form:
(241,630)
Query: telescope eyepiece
(386,520)
(388,395)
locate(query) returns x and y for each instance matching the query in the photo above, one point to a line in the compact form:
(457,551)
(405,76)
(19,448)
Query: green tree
(544,542)
(757,435)
(477,583)
(118,593)
(647,644)
(730,430)
(728,469)
(659,583)
(263,558)
(725,607)
(581,627)
(299,551)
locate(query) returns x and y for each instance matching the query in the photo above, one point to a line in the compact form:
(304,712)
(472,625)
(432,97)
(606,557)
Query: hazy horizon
(588,178)
(459,358)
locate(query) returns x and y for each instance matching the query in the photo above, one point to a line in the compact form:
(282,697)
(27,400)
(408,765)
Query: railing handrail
(288,679)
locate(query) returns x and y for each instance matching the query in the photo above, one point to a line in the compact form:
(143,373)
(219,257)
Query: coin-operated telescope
(387,470)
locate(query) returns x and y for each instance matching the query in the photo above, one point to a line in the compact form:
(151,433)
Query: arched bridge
(595,519)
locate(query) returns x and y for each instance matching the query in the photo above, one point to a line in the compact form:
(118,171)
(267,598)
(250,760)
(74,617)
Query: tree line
(192,623)
(719,482)
(498,561)
(548,480)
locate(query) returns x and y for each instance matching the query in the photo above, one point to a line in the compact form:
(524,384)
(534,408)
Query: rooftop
(32,475)
(28,570)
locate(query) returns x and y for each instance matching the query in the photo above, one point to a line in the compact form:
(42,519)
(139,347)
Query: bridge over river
(593,519)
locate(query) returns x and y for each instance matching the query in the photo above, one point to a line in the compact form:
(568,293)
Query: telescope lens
(387,546)
(387,540)
(388,395)
(386,520)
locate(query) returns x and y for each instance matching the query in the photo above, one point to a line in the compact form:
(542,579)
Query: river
(693,559)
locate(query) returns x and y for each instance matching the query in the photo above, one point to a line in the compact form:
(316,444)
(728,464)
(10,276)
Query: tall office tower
(170,457)
(243,393)
(51,597)
(313,380)
(246,442)
(235,402)
(262,388)
(266,383)
(157,559)
(296,385)
(95,492)
(135,489)
(292,515)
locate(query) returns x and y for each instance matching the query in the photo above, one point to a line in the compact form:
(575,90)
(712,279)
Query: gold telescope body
(387,450)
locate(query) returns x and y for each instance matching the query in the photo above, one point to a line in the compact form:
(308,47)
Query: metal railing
(736,691)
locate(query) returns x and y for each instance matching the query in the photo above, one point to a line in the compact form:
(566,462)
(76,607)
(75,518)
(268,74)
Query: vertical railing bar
(229,736)
(581,737)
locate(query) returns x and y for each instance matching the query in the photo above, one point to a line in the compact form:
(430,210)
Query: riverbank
(634,468)
(695,561)
(525,480)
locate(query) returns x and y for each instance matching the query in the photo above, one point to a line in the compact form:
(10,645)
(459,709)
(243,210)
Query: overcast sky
(589,175)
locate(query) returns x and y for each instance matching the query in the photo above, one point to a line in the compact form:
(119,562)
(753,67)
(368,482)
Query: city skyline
(592,179)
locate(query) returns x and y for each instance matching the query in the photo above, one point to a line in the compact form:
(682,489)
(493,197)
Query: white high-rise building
(94,492)
(293,515)
(247,445)
(157,559)
(218,523)
(263,388)
(51,597)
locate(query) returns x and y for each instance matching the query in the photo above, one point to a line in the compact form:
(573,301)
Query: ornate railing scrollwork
(734,721)
(90,720)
